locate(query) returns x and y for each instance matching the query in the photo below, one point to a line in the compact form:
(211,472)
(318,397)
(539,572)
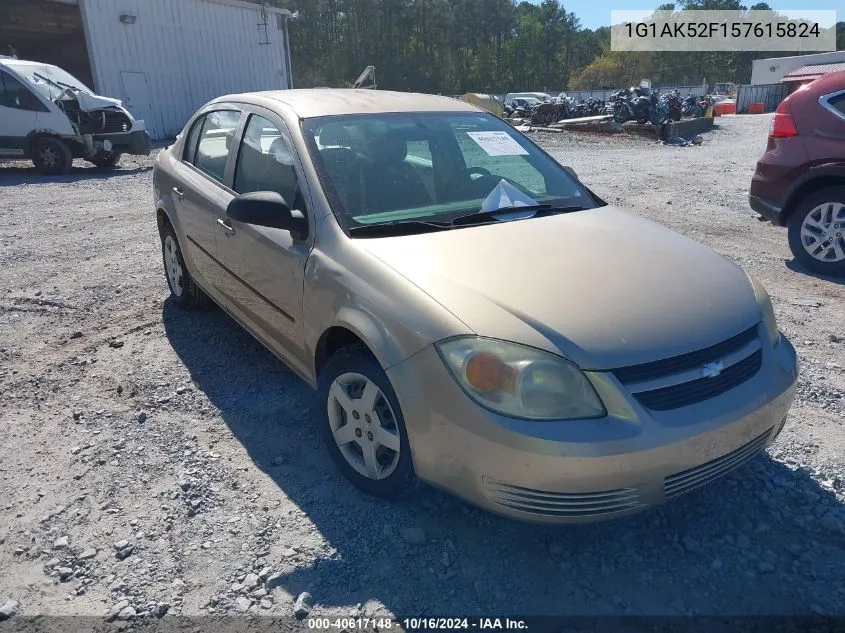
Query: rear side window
(838,104)
(213,142)
(13,94)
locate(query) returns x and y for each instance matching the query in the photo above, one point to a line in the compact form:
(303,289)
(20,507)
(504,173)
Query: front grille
(562,504)
(659,368)
(113,121)
(690,479)
(687,393)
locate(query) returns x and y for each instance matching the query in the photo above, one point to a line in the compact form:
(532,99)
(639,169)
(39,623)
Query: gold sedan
(468,311)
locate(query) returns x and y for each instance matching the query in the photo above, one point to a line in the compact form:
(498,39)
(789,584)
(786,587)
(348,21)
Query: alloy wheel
(823,232)
(364,426)
(172,265)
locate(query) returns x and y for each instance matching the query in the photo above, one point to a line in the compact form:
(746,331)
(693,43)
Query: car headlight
(767,310)
(519,381)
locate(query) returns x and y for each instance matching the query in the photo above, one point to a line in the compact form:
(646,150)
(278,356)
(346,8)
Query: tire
(106,160)
(824,212)
(51,156)
(342,375)
(183,289)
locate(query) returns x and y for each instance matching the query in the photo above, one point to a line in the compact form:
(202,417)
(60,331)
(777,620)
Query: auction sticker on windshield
(498,143)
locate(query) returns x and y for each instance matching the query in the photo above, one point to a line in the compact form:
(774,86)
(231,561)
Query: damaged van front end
(53,118)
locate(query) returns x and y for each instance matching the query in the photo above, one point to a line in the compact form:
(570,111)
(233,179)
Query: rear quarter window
(838,104)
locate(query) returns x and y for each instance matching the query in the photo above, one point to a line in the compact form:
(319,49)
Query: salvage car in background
(50,117)
(469,311)
(800,179)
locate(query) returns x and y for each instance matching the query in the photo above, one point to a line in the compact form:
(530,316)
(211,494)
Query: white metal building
(773,69)
(163,58)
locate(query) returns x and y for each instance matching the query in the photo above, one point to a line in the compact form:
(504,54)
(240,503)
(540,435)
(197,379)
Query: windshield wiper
(398,227)
(542,209)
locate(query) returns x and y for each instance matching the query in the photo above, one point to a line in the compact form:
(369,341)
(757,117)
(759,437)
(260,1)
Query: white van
(50,117)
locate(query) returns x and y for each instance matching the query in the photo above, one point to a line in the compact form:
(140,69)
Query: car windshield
(50,81)
(433,167)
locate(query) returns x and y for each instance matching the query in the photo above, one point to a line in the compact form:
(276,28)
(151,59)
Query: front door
(19,112)
(136,98)
(265,267)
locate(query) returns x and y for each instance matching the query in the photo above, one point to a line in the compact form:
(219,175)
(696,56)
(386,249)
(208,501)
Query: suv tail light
(782,124)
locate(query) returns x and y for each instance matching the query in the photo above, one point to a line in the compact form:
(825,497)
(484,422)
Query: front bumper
(591,470)
(768,210)
(137,142)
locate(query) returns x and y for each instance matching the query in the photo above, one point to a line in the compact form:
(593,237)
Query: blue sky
(596,13)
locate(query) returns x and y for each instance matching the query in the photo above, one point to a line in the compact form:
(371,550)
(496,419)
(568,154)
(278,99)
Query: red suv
(800,180)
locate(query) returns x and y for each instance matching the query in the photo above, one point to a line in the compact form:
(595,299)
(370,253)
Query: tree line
(491,46)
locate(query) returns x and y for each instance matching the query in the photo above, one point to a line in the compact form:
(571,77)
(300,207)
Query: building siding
(774,69)
(190,51)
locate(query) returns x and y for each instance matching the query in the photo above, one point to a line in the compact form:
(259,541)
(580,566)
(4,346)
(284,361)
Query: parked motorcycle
(674,104)
(691,107)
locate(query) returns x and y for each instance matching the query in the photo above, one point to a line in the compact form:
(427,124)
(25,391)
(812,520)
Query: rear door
(199,192)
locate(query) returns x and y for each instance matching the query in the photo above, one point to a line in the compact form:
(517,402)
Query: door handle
(226,227)
(179,193)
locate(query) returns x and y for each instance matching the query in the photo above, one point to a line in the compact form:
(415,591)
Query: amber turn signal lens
(485,372)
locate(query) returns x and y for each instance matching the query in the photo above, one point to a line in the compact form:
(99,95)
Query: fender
(46,131)
(834,171)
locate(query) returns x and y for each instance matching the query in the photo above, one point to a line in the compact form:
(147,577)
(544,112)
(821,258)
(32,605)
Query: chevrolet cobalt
(467,310)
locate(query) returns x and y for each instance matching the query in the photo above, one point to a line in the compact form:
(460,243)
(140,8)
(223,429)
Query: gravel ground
(155,461)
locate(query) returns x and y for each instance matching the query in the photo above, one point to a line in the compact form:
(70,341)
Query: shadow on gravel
(767,539)
(16,175)
(794,266)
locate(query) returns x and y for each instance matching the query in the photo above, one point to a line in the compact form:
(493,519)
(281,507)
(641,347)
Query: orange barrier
(756,108)
(724,108)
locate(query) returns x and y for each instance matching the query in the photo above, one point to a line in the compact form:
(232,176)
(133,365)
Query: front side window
(13,94)
(215,139)
(432,167)
(266,162)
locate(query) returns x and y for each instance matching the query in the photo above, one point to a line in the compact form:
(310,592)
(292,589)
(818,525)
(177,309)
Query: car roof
(830,82)
(314,102)
(20,62)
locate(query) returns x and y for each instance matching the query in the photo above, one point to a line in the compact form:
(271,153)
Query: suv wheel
(362,425)
(51,156)
(817,232)
(185,292)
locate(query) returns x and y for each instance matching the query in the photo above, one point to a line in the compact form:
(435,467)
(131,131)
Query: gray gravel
(128,421)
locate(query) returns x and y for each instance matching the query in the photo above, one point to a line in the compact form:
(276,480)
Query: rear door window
(214,141)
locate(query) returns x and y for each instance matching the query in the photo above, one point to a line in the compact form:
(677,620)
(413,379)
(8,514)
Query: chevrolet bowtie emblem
(711,370)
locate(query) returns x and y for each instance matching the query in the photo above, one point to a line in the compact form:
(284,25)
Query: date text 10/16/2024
(417,624)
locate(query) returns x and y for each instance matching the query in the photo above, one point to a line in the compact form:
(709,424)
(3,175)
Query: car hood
(89,102)
(602,287)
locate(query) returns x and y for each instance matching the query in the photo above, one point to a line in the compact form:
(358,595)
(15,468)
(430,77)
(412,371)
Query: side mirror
(268,209)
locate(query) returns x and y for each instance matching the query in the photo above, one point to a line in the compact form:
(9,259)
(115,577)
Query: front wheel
(51,156)
(362,425)
(817,232)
